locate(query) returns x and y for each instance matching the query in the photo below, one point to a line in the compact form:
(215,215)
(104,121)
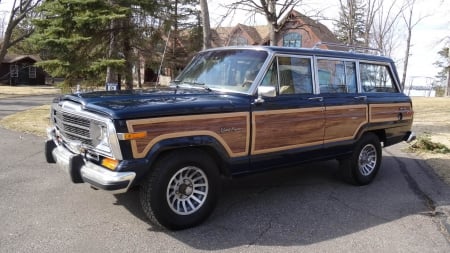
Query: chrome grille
(73,127)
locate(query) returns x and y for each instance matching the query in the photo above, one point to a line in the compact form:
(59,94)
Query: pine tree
(73,35)
(350,26)
(444,65)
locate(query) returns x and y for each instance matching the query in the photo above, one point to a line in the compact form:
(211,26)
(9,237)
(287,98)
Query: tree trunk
(111,73)
(408,47)
(128,54)
(273,22)
(405,64)
(447,90)
(206,25)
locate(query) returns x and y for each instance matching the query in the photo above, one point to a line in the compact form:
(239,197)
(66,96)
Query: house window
(32,71)
(292,40)
(238,41)
(14,70)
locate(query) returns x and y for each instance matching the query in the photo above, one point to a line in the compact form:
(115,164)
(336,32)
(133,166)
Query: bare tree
(410,24)
(20,10)
(272,10)
(371,9)
(385,23)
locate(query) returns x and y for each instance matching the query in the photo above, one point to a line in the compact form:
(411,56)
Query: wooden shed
(20,69)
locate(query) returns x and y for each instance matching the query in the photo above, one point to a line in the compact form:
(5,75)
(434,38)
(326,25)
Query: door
(346,111)
(287,125)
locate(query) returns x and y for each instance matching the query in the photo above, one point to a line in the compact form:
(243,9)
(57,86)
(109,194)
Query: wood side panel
(390,112)
(286,129)
(344,122)
(232,130)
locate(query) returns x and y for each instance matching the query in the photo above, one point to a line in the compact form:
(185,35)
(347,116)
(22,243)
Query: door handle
(316,98)
(363,98)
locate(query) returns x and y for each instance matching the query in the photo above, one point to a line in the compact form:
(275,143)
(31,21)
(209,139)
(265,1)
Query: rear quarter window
(376,78)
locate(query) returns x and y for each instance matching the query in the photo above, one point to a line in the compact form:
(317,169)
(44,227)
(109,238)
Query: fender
(209,143)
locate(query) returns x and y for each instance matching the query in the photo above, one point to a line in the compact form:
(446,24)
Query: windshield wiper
(178,82)
(194,83)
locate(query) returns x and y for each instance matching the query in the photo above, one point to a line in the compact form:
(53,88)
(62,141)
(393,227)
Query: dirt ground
(431,118)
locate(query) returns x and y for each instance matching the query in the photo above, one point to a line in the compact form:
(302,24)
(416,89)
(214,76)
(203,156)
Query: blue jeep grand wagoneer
(231,111)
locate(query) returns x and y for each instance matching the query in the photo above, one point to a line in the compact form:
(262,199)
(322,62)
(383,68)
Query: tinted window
(336,76)
(376,78)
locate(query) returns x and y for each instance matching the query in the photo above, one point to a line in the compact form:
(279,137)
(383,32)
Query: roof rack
(351,48)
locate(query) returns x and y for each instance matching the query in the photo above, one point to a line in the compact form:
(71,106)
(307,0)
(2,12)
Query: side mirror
(265,91)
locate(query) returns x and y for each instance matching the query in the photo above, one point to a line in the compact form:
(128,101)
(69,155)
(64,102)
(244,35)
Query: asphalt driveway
(301,209)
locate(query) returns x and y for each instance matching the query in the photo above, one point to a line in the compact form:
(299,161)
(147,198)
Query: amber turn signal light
(132,136)
(109,163)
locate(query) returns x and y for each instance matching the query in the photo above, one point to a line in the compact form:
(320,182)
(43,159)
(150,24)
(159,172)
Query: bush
(424,143)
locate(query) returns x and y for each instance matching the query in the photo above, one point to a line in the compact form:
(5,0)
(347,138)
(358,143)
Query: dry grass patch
(17,91)
(432,126)
(34,121)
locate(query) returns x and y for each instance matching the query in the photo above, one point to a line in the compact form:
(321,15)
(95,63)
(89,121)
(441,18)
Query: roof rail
(351,48)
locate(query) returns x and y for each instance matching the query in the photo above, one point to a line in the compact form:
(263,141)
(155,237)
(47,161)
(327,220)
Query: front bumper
(83,171)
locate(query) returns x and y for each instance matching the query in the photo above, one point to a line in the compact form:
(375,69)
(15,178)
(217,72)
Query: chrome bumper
(91,173)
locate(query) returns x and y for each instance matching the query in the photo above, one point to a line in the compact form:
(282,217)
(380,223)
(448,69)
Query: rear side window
(336,76)
(376,78)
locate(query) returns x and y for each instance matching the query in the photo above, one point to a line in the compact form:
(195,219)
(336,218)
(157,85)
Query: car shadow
(300,206)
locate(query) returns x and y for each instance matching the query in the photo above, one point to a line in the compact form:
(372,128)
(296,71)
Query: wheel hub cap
(187,190)
(367,159)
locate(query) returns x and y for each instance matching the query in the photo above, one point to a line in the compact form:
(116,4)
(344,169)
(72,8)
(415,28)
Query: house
(296,30)
(20,69)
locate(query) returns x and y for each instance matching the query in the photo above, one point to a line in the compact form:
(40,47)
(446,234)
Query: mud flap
(75,164)
(49,146)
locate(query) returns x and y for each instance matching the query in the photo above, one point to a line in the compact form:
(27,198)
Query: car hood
(165,101)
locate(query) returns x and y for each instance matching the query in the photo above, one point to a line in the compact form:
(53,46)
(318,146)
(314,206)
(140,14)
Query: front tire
(363,165)
(181,190)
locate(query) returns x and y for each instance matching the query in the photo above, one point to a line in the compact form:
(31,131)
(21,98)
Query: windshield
(232,70)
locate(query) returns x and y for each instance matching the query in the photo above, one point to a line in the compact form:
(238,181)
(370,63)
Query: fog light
(110,163)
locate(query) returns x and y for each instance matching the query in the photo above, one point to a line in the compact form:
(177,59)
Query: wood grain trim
(390,112)
(344,122)
(280,130)
(231,130)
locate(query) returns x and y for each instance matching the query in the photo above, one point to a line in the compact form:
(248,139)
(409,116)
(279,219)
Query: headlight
(99,135)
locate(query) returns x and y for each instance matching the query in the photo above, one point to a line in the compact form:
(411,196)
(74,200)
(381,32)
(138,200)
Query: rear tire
(363,165)
(181,190)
